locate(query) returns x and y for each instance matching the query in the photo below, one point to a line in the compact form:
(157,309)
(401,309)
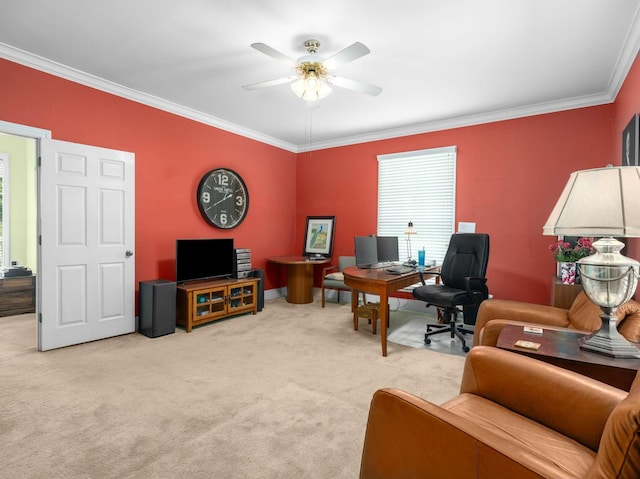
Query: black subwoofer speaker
(259,273)
(157,308)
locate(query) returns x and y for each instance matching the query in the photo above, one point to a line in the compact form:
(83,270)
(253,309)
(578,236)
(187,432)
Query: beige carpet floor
(283,394)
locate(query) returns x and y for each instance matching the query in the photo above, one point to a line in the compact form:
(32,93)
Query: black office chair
(463,283)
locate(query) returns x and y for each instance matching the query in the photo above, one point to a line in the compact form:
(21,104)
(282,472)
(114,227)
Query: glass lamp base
(610,347)
(609,279)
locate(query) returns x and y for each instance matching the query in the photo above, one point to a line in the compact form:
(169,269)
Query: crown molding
(626,58)
(460,122)
(57,69)
(623,65)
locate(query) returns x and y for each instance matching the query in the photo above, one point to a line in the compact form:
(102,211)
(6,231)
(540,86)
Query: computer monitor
(387,249)
(366,248)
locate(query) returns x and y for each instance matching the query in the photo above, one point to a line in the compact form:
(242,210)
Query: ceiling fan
(313,79)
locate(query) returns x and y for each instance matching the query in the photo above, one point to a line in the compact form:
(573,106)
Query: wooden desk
(299,277)
(561,348)
(377,281)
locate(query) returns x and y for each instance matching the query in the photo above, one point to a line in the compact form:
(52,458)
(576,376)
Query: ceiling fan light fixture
(313,81)
(310,87)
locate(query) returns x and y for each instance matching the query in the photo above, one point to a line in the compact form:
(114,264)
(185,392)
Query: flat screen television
(203,259)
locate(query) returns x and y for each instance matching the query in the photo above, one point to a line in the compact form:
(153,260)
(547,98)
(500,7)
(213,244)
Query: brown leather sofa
(515,417)
(583,316)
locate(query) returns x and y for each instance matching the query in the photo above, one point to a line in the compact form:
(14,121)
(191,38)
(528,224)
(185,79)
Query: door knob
(129,253)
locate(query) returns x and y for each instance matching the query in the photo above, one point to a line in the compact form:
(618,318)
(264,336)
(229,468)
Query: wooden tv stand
(201,302)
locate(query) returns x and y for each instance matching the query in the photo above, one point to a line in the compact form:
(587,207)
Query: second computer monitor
(387,249)
(366,251)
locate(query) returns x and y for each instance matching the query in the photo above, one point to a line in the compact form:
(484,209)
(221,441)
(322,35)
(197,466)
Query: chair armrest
(629,320)
(327,269)
(437,274)
(409,437)
(518,311)
(477,289)
(572,404)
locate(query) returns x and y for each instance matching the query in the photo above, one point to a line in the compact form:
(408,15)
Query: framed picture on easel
(630,143)
(318,238)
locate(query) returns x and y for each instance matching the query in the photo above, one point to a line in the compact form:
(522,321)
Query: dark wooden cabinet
(17,295)
(562,295)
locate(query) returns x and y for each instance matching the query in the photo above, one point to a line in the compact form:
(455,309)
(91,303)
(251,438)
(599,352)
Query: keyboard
(400,270)
(374,265)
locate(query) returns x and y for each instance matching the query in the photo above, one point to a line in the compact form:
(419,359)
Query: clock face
(223,198)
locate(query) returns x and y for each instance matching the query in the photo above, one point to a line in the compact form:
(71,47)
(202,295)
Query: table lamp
(410,231)
(603,202)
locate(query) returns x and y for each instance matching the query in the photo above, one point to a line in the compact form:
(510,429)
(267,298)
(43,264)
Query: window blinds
(418,187)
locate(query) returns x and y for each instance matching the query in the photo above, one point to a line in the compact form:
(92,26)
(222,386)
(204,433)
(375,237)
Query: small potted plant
(567,255)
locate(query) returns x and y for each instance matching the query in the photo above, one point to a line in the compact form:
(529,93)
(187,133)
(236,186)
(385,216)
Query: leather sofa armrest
(572,404)
(629,320)
(492,309)
(407,436)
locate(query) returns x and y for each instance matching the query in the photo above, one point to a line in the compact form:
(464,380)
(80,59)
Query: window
(418,187)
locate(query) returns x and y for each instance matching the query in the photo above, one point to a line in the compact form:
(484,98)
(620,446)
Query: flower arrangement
(563,252)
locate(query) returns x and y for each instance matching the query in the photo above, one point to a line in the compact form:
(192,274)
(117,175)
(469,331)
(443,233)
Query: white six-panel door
(87,271)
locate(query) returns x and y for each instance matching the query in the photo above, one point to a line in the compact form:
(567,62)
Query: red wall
(172,154)
(627,103)
(509,176)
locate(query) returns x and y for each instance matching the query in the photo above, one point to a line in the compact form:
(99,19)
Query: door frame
(37,134)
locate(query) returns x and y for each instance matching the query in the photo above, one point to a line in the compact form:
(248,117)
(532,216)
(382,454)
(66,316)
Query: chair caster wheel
(466,349)
(427,341)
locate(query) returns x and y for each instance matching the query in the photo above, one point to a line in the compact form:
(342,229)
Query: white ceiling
(441,63)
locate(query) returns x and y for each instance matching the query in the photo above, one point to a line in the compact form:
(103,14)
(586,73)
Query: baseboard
(274,293)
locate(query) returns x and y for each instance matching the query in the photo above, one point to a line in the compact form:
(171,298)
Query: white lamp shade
(598,202)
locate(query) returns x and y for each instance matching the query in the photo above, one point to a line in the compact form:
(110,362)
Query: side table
(561,349)
(299,277)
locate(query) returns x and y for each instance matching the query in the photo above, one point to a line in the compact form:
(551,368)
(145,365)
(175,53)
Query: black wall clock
(223,198)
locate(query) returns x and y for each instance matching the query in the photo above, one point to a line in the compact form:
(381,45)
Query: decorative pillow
(337,276)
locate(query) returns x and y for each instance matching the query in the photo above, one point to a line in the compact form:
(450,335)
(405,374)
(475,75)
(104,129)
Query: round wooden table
(299,277)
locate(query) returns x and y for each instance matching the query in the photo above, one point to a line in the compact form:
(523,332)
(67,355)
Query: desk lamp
(410,231)
(603,202)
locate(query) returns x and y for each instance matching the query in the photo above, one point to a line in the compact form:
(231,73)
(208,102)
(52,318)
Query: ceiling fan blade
(352,52)
(265,84)
(267,50)
(355,85)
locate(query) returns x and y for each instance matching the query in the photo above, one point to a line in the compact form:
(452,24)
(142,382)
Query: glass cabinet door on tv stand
(204,301)
(210,302)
